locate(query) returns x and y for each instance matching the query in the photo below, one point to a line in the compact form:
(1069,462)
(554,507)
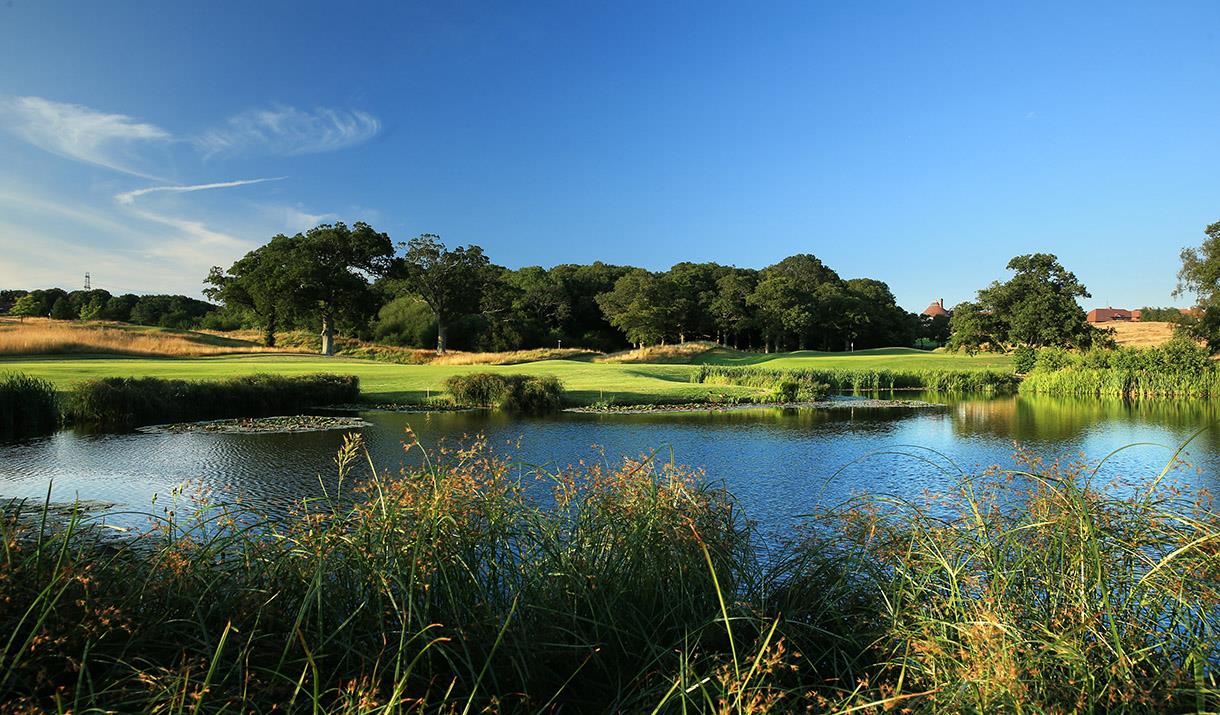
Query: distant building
(936,308)
(1109,315)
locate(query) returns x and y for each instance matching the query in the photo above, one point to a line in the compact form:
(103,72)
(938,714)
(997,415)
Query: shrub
(127,402)
(1178,368)
(1023,359)
(28,405)
(528,394)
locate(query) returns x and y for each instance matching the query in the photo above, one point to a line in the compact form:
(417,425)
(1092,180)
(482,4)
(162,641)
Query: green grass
(586,382)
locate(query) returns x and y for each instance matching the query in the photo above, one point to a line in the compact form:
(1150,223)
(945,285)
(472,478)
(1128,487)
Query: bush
(1024,359)
(1178,368)
(527,394)
(128,402)
(28,405)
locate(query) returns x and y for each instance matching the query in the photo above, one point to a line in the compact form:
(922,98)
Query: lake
(779,462)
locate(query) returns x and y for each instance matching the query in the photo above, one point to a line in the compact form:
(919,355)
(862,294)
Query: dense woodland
(354,281)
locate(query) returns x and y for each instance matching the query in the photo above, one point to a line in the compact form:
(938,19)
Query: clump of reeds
(1178,368)
(126,401)
(982,381)
(28,405)
(637,587)
(531,394)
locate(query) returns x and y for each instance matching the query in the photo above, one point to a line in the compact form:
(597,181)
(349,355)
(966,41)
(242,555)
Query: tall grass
(985,381)
(680,353)
(28,405)
(126,401)
(636,588)
(531,394)
(1178,368)
(54,337)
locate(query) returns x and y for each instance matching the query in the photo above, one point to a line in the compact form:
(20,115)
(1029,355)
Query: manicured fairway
(586,382)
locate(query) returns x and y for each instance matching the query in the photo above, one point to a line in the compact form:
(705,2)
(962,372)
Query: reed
(982,381)
(630,588)
(125,402)
(1178,368)
(531,394)
(28,405)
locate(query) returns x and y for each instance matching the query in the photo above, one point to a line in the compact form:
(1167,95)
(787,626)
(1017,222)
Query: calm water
(780,463)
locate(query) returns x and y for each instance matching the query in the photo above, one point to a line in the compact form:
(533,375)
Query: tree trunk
(328,336)
(442,337)
(269,332)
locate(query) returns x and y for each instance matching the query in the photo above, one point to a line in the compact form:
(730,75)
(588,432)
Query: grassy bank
(125,402)
(640,588)
(586,382)
(976,381)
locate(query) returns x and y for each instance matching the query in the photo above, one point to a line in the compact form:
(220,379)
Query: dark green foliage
(127,402)
(1163,315)
(1037,307)
(1024,358)
(528,394)
(864,380)
(451,282)
(61,309)
(28,405)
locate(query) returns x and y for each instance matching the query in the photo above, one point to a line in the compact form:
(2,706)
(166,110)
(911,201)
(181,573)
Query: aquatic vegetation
(126,402)
(529,394)
(630,587)
(807,380)
(28,405)
(1178,368)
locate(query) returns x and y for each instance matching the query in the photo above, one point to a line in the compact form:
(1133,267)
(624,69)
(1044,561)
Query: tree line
(166,311)
(355,280)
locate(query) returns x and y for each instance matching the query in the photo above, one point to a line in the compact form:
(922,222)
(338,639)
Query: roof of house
(936,308)
(1102,315)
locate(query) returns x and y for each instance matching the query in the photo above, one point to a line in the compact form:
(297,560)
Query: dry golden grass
(512,357)
(672,354)
(41,336)
(1141,335)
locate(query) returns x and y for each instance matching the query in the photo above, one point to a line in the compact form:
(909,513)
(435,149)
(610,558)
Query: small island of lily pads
(261,425)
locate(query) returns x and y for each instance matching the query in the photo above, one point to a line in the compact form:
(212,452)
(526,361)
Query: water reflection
(780,463)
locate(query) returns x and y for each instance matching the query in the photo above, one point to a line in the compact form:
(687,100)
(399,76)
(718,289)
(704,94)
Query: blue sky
(923,144)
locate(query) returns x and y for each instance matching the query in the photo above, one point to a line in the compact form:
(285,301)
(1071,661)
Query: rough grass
(681,353)
(125,402)
(1141,334)
(41,336)
(976,381)
(28,405)
(637,587)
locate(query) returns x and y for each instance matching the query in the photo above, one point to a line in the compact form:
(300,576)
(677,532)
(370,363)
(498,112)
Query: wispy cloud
(128,197)
(78,132)
(289,131)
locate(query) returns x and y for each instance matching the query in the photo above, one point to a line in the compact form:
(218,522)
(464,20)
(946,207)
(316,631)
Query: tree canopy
(1036,307)
(451,282)
(1200,275)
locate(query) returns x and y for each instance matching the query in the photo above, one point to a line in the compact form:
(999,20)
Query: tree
(61,309)
(320,277)
(27,306)
(93,309)
(642,306)
(1200,275)
(450,282)
(730,308)
(1037,307)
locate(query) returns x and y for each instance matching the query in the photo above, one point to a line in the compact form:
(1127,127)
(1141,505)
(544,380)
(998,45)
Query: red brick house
(1107,315)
